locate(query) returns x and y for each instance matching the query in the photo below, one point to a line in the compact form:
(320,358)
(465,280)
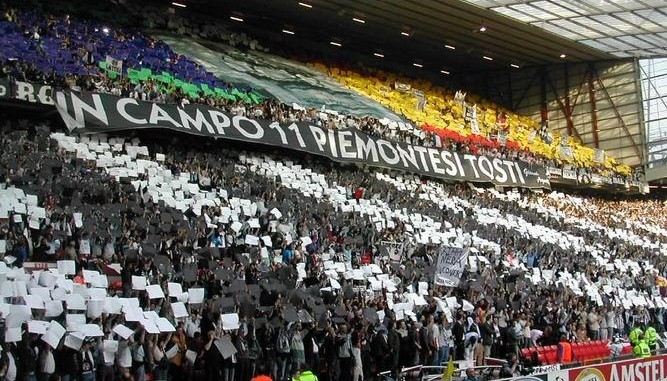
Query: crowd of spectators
(283,292)
(298,249)
(60,50)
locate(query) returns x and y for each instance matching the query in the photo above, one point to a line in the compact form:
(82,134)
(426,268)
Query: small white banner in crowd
(114,65)
(451,263)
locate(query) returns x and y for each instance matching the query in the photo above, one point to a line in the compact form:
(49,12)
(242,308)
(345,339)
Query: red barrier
(581,352)
(640,369)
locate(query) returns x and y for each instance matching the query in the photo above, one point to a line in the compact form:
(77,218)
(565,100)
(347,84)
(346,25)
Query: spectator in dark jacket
(459,331)
(488,332)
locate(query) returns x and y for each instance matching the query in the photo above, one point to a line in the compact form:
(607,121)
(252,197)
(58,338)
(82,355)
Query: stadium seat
(627,349)
(525,353)
(542,358)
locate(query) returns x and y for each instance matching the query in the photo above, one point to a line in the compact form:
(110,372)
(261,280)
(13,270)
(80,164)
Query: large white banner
(451,263)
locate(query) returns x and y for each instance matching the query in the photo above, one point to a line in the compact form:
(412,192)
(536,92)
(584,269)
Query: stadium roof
(624,28)
(437,34)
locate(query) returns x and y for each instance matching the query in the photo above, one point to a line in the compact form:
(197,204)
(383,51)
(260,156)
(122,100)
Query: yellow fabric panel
(442,111)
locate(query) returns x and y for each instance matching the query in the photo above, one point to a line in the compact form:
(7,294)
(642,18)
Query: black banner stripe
(92,112)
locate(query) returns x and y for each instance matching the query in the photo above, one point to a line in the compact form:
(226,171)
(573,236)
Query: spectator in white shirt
(46,363)
(603,324)
(593,325)
(434,340)
(446,340)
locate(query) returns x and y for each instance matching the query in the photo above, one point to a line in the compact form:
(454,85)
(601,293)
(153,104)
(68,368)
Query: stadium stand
(126,219)
(156,255)
(156,73)
(444,115)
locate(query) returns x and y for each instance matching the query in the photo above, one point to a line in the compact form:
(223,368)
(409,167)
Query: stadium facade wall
(575,98)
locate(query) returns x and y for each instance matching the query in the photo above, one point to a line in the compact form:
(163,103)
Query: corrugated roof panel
(641,23)
(509,12)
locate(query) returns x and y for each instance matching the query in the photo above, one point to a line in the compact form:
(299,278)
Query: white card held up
(53,308)
(5,309)
(47,279)
(35,302)
(174,289)
(122,331)
(78,220)
(236,227)
(251,240)
(225,346)
(97,293)
(74,340)
(74,321)
(42,292)
(53,336)
(155,291)
(423,288)
(92,330)
(75,302)
(230,321)
(18,315)
(276,213)
(133,314)
(67,267)
(149,326)
(112,305)
(13,335)
(95,308)
(37,326)
(196,295)
(267,240)
(164,325)
(139,283)
(171,352)
(191,356)
(151,315)
(179,310)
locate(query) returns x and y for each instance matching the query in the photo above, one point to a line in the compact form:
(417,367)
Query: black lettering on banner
(90,112)
(450,266)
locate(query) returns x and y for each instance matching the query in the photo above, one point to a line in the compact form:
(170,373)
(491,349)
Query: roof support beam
(509,89)
(568,115)
(544,108)
(594,111)
(533,78)
(566,110)
(601,85)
